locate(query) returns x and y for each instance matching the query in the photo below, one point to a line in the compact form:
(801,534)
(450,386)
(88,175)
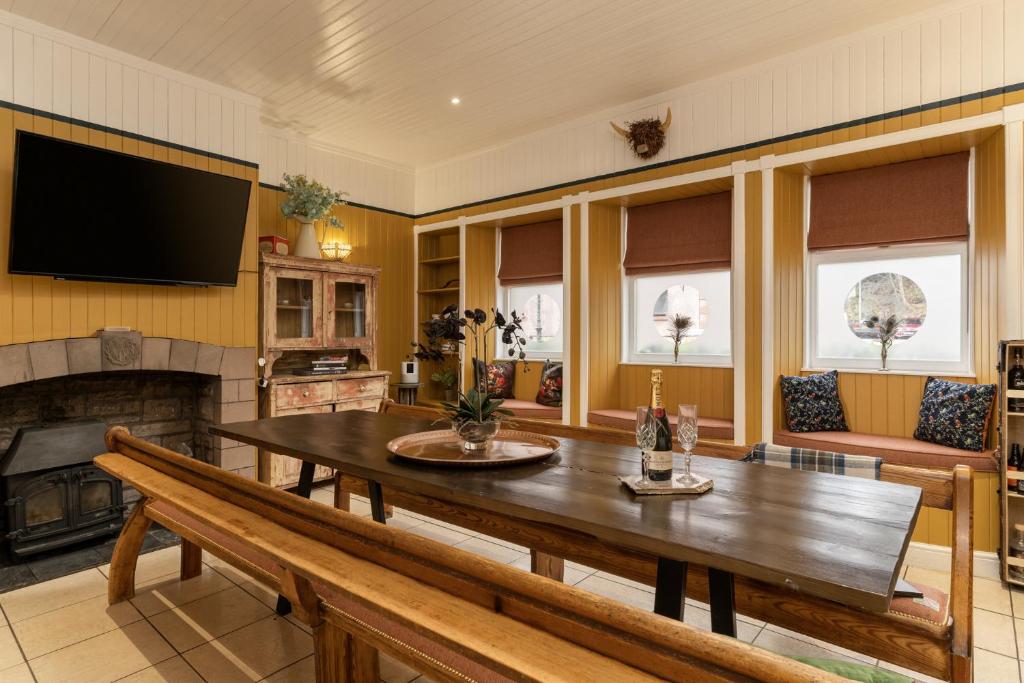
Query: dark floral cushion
(550,392)
(500,377)
(955,414)
(812,403)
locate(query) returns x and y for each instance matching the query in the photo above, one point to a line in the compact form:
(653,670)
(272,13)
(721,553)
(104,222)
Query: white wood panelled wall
(56,72)
(965,48)
(373,182)
(52,71)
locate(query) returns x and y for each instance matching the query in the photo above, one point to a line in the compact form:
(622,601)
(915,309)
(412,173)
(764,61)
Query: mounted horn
(618,129)
(667,122)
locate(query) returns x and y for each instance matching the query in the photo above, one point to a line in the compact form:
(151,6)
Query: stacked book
(327,365)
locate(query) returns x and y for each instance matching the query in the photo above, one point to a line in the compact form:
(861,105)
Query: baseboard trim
(938,557)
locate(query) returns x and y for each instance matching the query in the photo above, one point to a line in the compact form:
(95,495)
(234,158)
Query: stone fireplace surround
(232,371)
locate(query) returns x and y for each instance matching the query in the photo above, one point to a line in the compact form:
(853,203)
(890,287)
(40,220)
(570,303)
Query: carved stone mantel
(124,351)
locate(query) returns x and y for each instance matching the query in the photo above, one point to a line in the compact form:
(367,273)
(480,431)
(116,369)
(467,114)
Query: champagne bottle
(659,467)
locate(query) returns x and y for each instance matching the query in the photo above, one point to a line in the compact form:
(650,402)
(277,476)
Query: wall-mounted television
(85,213)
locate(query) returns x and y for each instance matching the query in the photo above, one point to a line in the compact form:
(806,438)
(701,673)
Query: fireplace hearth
(52,493)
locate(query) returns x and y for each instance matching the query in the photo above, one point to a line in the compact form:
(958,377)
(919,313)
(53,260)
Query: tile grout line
(17,642)
(173,649)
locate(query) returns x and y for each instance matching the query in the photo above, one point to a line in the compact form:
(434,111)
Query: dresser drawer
(369,404)
(368,387)
(303,394)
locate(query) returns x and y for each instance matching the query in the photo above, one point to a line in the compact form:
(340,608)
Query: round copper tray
(443,447)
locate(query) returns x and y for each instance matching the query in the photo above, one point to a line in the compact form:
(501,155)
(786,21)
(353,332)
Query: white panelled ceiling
(376,76)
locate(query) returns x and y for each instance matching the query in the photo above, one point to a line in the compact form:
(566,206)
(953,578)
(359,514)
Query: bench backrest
(642,640)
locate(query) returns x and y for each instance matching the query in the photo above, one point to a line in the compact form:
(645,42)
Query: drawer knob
(305,392)
(363,387)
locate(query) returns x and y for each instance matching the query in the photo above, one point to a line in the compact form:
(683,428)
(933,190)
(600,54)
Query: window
(654,300)
(922,287)
(541,309)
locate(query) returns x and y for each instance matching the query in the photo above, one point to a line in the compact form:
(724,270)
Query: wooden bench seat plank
(534,600)
(491,640)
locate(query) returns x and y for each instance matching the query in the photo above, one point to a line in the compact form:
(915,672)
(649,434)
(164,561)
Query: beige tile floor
(207,628)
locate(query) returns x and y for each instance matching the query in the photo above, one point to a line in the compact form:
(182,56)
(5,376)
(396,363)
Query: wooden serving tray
(443,447)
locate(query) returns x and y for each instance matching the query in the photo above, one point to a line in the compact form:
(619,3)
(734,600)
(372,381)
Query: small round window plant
(308,201)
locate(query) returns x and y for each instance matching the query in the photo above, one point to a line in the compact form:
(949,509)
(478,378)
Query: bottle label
(660,461)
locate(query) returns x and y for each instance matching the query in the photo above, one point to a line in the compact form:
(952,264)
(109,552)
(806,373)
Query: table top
(834,537)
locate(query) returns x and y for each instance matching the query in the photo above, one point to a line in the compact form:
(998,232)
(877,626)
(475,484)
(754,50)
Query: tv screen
(84,213)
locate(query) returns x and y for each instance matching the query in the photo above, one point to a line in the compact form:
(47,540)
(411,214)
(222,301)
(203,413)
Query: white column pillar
(1011,318)
(767,296)
(739,307)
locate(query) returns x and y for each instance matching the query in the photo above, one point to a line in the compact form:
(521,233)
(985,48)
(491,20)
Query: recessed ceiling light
(456,100)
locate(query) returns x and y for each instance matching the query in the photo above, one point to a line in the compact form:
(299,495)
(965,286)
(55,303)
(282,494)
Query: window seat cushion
(707,427)
(531,409)
(895,450)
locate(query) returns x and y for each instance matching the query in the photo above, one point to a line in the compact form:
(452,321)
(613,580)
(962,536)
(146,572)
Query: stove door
(97,494)
(39,507)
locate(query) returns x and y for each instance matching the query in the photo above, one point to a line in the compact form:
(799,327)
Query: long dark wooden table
(838,538)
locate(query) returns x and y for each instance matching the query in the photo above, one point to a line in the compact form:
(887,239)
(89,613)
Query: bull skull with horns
(646,137)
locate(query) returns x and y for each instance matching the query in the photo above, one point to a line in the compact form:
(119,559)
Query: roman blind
(531,254)
(680,235)
(924,200)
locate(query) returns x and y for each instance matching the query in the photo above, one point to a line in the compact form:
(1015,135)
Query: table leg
(550,566)
(304,488)
(723,602)
(376,501)
(670,588)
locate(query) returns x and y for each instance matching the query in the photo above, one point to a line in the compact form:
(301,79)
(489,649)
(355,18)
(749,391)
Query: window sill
(890,373)
(660,364)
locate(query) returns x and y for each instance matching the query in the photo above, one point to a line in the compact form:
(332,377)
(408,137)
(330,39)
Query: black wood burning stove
(52,492)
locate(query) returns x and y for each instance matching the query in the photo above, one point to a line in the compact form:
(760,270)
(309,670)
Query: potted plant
(447,378)
(307,201)
(885,334)
(475,416)
(678,326)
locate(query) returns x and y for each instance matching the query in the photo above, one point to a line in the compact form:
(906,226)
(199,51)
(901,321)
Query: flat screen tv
(85,213)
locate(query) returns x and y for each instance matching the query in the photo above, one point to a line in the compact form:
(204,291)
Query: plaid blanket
(863,466)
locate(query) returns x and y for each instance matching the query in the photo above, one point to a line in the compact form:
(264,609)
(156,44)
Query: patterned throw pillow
(955,414)
(500,377)
(812,403)
(550,392)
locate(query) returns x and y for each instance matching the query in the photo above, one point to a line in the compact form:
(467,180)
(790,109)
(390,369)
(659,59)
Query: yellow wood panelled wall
(41,308)
(480,259)
(604,292)
(616,385)
(377,239)
(889,404)
(752,287)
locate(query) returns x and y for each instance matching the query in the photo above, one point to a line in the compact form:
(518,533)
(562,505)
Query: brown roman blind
(681,235)
(531,254)
(912,201)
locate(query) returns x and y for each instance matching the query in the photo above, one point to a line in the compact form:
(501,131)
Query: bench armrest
(961,594)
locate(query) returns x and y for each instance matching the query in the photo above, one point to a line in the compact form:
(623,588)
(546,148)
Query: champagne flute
(646,437)
(686,432)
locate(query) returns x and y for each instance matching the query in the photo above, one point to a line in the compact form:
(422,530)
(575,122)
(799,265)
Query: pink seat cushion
(895,450)
(532,409)
(707,427)
(932,610)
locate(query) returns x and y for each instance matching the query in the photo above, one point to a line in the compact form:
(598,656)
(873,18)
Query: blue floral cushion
(955,414)
(812,403)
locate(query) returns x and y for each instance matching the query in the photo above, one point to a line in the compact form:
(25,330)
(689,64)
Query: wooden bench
(365,588)
(938,648)
(895,450)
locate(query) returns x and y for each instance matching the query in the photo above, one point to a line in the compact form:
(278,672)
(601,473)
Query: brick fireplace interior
(167,391)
